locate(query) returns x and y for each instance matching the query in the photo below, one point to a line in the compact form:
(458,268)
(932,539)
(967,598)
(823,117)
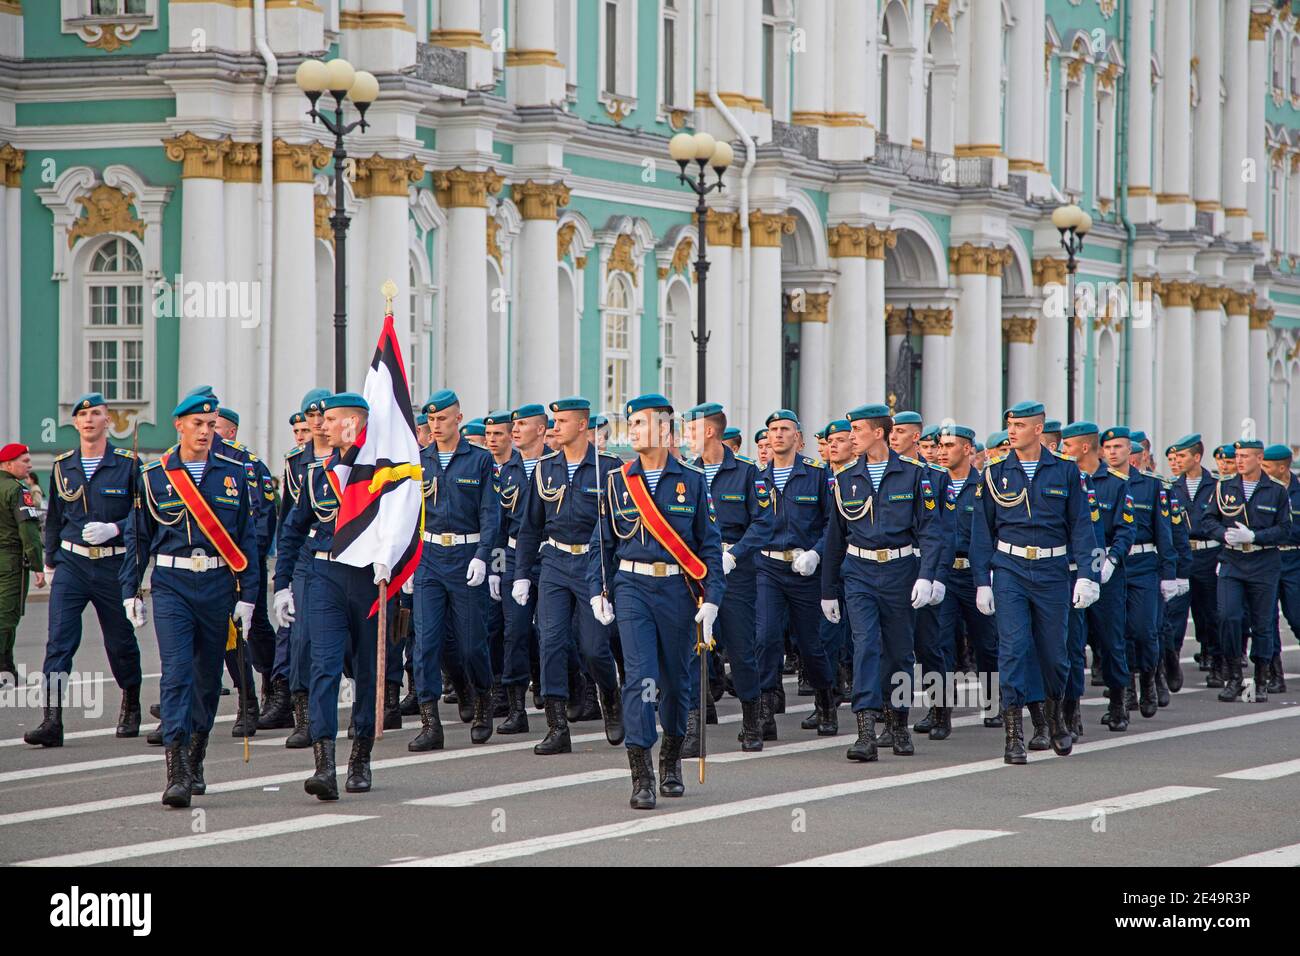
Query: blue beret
(649,400)
(997,438)
(1051,427)
(702,411)
(820,435)
(1225,451)
(1136,447)
(229,414)
(837,426)
(443,398)
(978,446)
(1187,441)
(550,423)
(195,404)
(473,427)
(1025,410)
(574,403)
(597,421)
(1248,443)
(500,417)
(201,390)
(867,411)
(1277,453)
(760,435)
(345,400)
(297,418)
(930,434)
(314,401)
(907,418)
(528,411)
(731,432)
(960,431)
(1116,431)
(1137,435)
(1079,429)
(782,415)
(89,400)
(421,419)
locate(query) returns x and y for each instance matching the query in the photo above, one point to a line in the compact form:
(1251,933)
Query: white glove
(1107,569)
(519,590)
(1085,593)
(243,615)
(922,591)
(706,615)
(136,612)
(476,573)
(1239,534)
(282,609)
(984,600)
(408,586)
(831,611)
(806,562)
(937,596)
(1184,585)
(383,573)
(603,610)
(728,562)
(1169,590)
(494,586)
(97,532)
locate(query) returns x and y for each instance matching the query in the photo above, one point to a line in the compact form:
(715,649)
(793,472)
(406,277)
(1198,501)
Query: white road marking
(1269,771)
(85,766)
(199,840)
(1280,856)
(1129,801)
(650,824)
(893,850)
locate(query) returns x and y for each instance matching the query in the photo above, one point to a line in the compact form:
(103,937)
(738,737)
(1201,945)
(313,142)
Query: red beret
(11,451)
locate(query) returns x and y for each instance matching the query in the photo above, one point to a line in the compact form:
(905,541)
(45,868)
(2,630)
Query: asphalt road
(1185,788)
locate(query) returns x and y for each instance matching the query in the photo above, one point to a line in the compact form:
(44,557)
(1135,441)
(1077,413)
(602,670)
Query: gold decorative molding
(540,200)
(1106,77)
(1177,294)
(12,6)
(243,163)
(1019,328)
(621,258)
(734,100)
(997,260)
(878,240)
(617,110)
(296,162)
(1261,317)
(321,211)
(564,239)
(381,176)
(1168,199)
(942,14)
(1260,21)
(200,158)
(721,228)
(969,259)
(532,58)
(677,119)
(460,187)
(373,20)
(1049,271)
(493,247)
(1104,206)
(1207,205)
(766,228)
(816,307)
(12,163)
(819,118)
(1074,70)
(580,262)
(106,209)
(458,39)
(934,321)
(1238,303)
(845,241)
(1208,298)
(681,260)
(1236,212)
(896,321)
(1107,8)
(978,150)
(1137,191)
(1047,55)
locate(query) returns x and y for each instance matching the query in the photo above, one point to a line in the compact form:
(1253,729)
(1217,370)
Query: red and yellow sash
(659,527)
(198,506)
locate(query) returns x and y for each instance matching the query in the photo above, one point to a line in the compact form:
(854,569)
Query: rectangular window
(611,47)
(670,61)
(617,359)
(668,383)
(769,64)
(113,8)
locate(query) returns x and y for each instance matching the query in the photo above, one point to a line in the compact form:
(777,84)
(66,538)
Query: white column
(537,316)
(536,75)
(984,103)
(810,73)
(970,338)
(1142,207)
(459,27)
(1207,396)
(242,237)
(993,398)
(814,362)
(1026,77)
(1259,371)
(1209,122)
(872,381)
(1050,336)
(936,372)
(1021,386)
(382,39)
(387,182)
(871,76)
(765,231)
(721,235)
(851,138)
(915,116)
(1176,363)
(1256,142)
(1236,355)
(1236,118)
(852,348)
(10,322)
(1038,121)
(1141,361)
(1176,209)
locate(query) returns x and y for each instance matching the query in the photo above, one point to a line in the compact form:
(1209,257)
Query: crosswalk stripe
(85,766)
(633,827)
(1269,771)
(1129,801)
(893,850)
(259,831)
(1280,856)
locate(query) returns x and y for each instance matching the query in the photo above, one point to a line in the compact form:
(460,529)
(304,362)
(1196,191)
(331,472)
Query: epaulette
(687,465)
(995,461)
(234,444)
(1063,456)
(610,455)
(746,459)
(153,464)
(1151,474)
(297,450)
(233,461)
(939,468)
(66,454)
(912,461)
(1117,474)
(124,452)
(549,455)
(1284,484)
(810,462)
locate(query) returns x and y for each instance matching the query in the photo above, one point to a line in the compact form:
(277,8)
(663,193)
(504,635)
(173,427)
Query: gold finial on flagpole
(389,289)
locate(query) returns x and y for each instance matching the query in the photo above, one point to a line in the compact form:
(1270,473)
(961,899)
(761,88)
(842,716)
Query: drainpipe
(266,209)
(746,329)
(1130,231)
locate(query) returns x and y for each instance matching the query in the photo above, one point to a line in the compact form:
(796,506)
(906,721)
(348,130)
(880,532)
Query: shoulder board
(689,467)
(611,456)
(995,461)
(66,454)
(1284,484)
(124,452)
(297,450)
(251,456)
(1152,474)
(549,455)
(233,461)
(940,468)
(153,464)
(234,444)
(912,461)
(747,460)
(1116,474)
(1064,457)
(811,463)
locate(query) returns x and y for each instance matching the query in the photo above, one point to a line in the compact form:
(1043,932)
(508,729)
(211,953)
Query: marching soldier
(20,547)
(762,452)
(301,430)
(1052,434)
(197,522)
(660,551)
(92,489)
(1277,462)
(928,445)
(885,509)
(1031,519)
(905,435)
(560,513)
(838,638)
(743,504)
(732,438)
(511,482)
(528,432)
(1195,487)
(1251,514)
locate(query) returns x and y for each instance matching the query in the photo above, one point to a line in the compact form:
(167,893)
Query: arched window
(1072,141)
(1275,197)
(617,342)
(1295,67)
(114,324)
(1278,61)
(885,44)
(675,378)
(415,352)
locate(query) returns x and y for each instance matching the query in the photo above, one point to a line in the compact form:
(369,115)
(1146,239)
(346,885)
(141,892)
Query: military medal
(681,492)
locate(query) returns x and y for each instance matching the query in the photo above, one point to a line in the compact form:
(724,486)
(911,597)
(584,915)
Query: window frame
(624,354)
(121,334)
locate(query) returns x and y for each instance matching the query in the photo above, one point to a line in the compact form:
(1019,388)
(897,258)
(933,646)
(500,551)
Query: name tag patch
(467,481)
(901,497)
(1056,492)
(681,509)
(112,491)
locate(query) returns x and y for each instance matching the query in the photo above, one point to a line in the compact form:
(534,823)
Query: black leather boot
(1173,671)
(359,766)
(480,731)
(902,745)
(864,748)
(155,737)
(1162,688)
(767,714)
(643,775)
(1214,676)
(556,740)
(670,767)
(611,709)
(711,706)
(886,736)
(691,742)
(846,681)
(1038,717)
(300,739)
(923,725)
(410,705)
(516,721)
(1062,741)
(778,700)
(942,728)
(324,783)
(1097,679)
(1131,692)
(392,705)
(449,689)
(1072,717)
(430,736)
(811,721)
(1013,721)
(1147,703)
(50,731)
(464,700)
(994,721)
(1277,684)
(828,721)
(751,728)
(278,712)
(1263,670)
(1116,714)
(588,703)
(246,718)
(500,705)
(177,793)
(155,711)
(805,689)
(128,718)
(198,750)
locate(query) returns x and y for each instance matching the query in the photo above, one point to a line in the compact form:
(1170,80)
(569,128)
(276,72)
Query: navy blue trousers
(959,608)
(1258,601)
(656,624)
(735,634)
(519,646)
(1033,606)
(79,581)
(1106,629)
(883,623)
(451,619)
(299,630)
(1142,620)
(563,608)
(785,596)
(191,612)
(339,599)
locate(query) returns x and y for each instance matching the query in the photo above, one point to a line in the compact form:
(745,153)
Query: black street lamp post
(1073,224)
